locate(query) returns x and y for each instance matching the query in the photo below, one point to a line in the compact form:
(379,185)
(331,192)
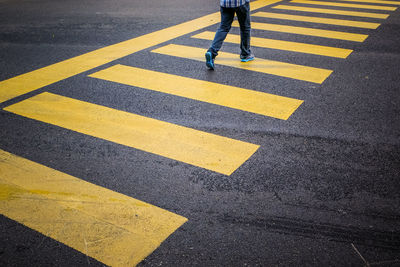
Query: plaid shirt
(233,3)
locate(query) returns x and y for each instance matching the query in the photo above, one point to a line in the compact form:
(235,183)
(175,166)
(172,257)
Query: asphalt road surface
(290,160)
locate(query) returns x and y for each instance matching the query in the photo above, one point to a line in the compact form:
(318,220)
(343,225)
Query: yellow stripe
(234,97)
(333,11)
(344,5)
(375,2)
(254,5)
(42,77)
(355,37)
(340,22)
(112,228)
(293,71)
(34,80)
(283,45)
(213,152)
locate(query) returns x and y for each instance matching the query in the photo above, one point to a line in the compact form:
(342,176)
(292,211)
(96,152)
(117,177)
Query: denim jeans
(227,15)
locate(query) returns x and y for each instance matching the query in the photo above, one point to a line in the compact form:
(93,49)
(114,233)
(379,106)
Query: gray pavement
(323,184)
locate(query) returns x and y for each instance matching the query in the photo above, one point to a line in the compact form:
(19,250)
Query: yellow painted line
(278,68)
(42,77)
(375,2)
(283,45)
(333,11)
(36,79)
(355,37)
(322,3)
(209,151)
(234,97)
(115,229)
(339,22)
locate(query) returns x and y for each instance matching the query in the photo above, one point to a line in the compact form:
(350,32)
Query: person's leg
(227,15)
(243,15)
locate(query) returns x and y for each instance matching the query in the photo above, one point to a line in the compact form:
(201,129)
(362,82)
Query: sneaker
(247,58)
(209,61)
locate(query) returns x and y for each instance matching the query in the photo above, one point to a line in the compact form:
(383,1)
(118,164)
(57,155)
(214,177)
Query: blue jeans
(227,15)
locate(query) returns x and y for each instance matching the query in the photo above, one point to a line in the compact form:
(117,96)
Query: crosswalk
(198,148)
(291,46)
(278,68)
(332,11)
(339,35)
(340,22)
(244,99)
(337,4)
(228,96)
(113,228)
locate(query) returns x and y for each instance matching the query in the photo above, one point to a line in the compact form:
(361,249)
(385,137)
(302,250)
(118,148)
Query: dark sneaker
(209,61)
(247,58)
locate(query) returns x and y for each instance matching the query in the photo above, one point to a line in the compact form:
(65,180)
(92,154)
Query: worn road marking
(355,37)
(36,79)
(234,97)
(209,151)
(277,68)
(339,22)
(333,11)
(112,228)
(322,3)
(283,45)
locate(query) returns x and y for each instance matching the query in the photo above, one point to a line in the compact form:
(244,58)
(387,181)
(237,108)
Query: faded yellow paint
(339,22)
(209,151)
(283,45)
(36,79)
(234,97)
(333,11)
(111,227)
(323,3)
(355,37)
(278,68)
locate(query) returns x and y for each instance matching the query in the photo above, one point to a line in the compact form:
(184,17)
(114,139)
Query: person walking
(228,10)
